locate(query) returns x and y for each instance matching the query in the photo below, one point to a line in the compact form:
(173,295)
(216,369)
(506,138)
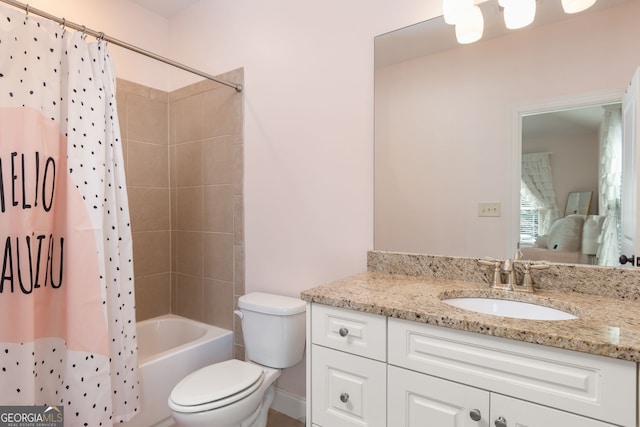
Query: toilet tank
(273,327)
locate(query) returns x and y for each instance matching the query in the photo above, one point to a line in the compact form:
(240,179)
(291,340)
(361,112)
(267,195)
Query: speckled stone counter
(608,323)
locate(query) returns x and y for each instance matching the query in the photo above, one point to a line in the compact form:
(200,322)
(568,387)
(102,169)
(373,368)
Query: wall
(207,229)
(459,121)
(308,129)
(144,124)
(574,164)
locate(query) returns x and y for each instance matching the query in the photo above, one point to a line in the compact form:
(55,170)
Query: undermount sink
(508,308)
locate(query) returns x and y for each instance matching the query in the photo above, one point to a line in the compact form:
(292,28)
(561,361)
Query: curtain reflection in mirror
(537,180)
(610,185)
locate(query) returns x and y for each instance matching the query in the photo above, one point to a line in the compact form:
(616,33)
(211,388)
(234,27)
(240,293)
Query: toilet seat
(215,386)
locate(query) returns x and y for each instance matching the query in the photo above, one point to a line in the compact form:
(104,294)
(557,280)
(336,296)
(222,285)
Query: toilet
(234,393)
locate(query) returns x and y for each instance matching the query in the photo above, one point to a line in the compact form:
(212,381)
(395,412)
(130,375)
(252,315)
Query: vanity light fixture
(469,25)
(469,22)
(452,9)
(575,6)
(518,13)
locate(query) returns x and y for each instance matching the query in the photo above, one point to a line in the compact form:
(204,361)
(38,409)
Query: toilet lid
(216,382)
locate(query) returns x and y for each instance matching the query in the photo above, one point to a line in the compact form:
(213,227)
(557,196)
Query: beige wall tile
(174,208)
(189,297)
(188,164)
(222,113)
(218,208)
(238,220)
(238,169)
(189,253)
(125,153)
(189,209)
(186,119)
(131,87)
(147,120)
(218,253)
(151,252)
(153,295)
(218,160)
(147,165)
(149,208)
(218,303)
(121,102)
(238,270)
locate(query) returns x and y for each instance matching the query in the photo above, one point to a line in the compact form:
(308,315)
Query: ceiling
(166,8)
(574,121)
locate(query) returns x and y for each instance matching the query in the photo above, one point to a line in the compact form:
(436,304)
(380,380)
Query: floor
(277,419)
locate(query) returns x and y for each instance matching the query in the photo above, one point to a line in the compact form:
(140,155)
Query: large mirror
(452,122)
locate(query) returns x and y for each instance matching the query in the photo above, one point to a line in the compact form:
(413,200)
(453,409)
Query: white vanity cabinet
(466,379)
(370,371)
(348,368)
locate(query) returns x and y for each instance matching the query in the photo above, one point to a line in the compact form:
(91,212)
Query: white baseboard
(289,404)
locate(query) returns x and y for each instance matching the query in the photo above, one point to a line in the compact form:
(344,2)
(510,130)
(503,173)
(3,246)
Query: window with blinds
(528,217)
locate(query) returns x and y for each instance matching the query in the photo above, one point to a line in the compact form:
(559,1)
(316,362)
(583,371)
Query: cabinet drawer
(516,412)
(595,386)
(358,333)
(422,400)
(347,390)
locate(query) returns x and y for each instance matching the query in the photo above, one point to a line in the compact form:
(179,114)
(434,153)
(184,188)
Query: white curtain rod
(102,36)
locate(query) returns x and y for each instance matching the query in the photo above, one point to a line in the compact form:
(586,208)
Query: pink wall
(308,129)
(574,162)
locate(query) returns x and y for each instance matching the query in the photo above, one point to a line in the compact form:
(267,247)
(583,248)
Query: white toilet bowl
(235,393)
(226,394)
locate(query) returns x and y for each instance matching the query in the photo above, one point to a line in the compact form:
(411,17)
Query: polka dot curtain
(67,308)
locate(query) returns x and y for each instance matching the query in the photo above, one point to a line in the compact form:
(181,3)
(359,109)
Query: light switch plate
(489,209)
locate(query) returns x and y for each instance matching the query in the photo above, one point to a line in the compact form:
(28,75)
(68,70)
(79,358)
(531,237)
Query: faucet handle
(495,263)
(543,265)
(527,281)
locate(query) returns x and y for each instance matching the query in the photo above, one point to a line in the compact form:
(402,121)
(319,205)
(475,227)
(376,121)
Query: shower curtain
(67,315)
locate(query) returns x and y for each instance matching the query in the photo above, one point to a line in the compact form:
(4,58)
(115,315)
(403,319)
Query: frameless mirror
(449,119)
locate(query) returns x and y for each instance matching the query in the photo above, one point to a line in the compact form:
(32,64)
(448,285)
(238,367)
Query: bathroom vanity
(385,350)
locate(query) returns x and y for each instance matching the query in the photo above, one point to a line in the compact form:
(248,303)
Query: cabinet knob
(501,422)
(475,415)
(344,397)
(343,332)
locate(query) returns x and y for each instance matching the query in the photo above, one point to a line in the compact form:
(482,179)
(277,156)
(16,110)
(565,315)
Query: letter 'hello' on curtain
(67,307)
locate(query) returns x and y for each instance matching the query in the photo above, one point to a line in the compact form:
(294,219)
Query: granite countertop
(605,326)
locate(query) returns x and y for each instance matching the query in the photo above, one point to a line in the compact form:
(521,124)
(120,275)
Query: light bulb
(519,13)
(452,9)
(575,6)
(470,26)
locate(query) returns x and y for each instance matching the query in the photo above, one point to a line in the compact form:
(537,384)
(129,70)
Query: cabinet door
(421,400)
(510,412)
(347,390)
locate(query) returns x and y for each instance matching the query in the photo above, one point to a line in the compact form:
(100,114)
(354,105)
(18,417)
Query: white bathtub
(169,348)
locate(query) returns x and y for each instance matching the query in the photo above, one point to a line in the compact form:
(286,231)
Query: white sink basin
(507,308)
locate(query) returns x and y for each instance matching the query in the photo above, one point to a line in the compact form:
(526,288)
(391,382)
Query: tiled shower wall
(184,158)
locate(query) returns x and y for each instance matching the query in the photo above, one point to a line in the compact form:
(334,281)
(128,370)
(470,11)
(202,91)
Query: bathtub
(169,348)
